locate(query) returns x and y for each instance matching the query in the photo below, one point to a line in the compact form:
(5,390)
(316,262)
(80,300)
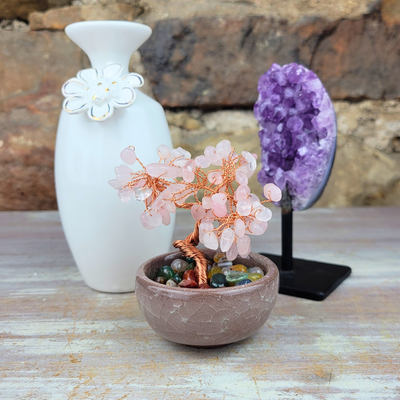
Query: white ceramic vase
(105,235)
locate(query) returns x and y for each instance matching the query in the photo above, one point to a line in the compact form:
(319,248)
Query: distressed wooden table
(61,340)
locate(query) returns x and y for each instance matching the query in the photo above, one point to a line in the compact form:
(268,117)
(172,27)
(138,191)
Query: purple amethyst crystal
(298,132)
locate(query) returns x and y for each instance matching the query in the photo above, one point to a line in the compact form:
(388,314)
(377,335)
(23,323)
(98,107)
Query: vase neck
(108,42)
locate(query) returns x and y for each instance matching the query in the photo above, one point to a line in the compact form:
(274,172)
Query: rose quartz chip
(125,195)
(203,228)
(232,252)
(210,240)
(206,203)
(198,212)
(158,169)
(242,192)
(219,210)
(223,149)
(254,198)
(128,156)
(164,151)
(179,157)
(123,173)
(243,207)
(184,153)
(152,218)
(190,165)
(188,175)
(143,221)
(219,198)
(240,228)
(140,183)
(202,161)
(159,201)
(211,153)
(181,197)
(148,227)
(246,170)
(209,214)
(241,178)
(177,187)
(272,192)
(263,214)
(215,178)
(166,218)
(243,245)
(250,160)
(227,238)
(258,228)
(170,206)
(115,184)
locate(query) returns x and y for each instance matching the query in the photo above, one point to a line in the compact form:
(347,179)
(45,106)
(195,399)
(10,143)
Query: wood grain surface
(61,340)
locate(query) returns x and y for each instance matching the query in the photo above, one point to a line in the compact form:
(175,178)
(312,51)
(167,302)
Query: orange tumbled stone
(239,267)
(189,274)
(188,283)
(204,286)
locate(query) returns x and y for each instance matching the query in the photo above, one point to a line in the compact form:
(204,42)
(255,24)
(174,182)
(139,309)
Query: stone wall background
(202,63)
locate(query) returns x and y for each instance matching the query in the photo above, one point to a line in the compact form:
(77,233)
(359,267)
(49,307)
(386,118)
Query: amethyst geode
(298,132)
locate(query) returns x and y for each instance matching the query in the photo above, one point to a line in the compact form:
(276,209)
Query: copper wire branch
(188,248)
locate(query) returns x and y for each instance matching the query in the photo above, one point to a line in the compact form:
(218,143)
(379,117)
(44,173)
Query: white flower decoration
(99,93)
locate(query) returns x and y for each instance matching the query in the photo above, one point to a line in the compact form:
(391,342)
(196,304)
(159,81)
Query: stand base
(309,279)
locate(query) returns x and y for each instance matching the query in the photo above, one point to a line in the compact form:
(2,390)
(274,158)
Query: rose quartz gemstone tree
(226,215)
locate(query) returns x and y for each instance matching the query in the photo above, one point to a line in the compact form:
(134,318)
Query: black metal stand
(303,278)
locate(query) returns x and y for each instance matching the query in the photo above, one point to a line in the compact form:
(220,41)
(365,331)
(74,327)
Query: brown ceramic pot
(207,317)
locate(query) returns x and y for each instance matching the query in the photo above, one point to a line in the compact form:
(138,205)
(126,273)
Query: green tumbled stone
(218,281)
(165,272)
(178,277)
(191,263)
(233,277)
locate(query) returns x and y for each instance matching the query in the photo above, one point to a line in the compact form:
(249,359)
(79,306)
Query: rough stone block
(59,18)
(33,66)
(390,10)
(359,60)
(13,9)
(216,62)
(290,10)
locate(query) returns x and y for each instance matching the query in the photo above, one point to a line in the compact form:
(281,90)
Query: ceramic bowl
(207,317)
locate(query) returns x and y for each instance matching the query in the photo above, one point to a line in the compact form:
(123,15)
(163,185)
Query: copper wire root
(189,249)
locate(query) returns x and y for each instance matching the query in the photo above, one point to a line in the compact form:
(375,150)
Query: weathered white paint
(61,340)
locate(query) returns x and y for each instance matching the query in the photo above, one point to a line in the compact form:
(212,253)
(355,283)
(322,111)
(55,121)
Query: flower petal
(73,87)
(125,97)
(112,71)
(133,80)
(101,113)
(88,75)
(75,105)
